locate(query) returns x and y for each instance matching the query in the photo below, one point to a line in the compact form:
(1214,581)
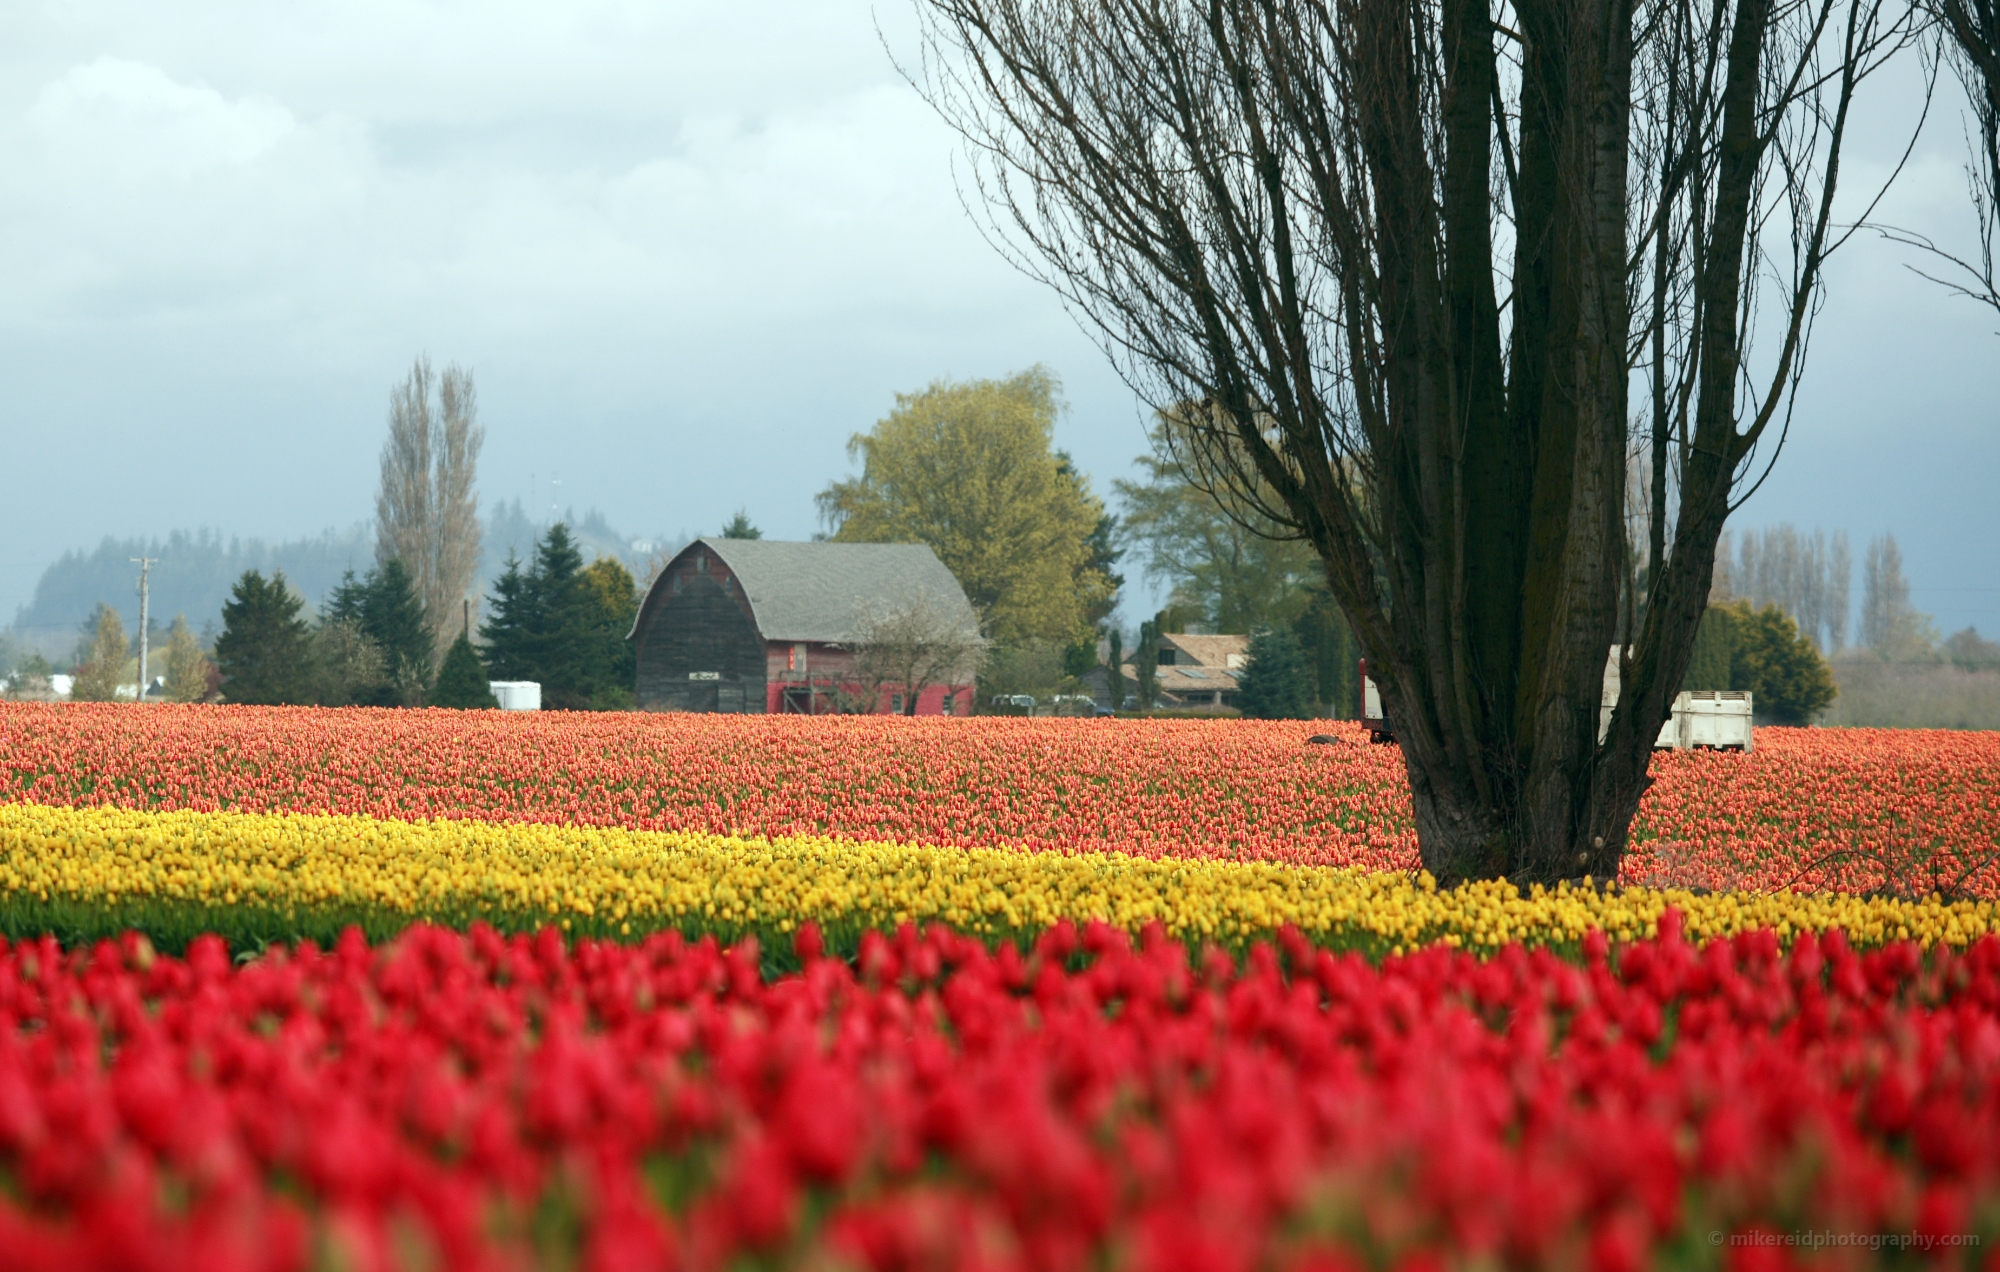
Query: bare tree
(427,511)
(1408,255)
(1974,29)
(911,643)
(1969,42)
(1890,625)
(1808,577)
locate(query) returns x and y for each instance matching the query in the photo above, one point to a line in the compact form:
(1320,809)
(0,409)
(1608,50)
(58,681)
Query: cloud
(136,197)
(687,248)
(130,123)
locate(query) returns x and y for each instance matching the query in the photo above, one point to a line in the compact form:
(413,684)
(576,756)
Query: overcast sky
(687,251)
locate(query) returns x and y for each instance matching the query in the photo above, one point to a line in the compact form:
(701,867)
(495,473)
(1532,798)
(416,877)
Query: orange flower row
(1821,808)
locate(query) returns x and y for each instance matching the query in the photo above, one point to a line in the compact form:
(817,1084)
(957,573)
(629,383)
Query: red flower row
(477,1102)
(1822,808)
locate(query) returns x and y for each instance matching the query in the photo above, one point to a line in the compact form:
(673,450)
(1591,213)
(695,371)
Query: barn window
(701,563)
(895,704)
(728,585)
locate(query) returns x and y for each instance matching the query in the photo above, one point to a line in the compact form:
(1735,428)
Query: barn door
(702,695)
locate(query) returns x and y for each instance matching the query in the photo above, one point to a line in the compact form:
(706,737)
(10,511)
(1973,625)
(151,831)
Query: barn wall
(829,666)
(700,624)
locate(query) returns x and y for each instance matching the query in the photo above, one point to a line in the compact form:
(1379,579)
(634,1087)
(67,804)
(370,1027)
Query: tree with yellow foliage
(970,468)
(101,668)
(187,666)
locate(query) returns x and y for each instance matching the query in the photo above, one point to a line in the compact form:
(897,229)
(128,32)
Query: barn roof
(822,591)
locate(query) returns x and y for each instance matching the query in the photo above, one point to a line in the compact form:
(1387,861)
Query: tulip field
(1817,809)
(316,989)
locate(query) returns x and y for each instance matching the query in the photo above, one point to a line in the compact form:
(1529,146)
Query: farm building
(759,626)
(1199,671)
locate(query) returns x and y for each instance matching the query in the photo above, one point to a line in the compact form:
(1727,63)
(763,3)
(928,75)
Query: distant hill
(192,576)
(195,571)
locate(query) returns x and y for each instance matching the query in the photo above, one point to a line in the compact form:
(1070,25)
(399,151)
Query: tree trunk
(1284,216)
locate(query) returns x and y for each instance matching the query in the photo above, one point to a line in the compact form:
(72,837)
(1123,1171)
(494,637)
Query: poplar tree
(427,509)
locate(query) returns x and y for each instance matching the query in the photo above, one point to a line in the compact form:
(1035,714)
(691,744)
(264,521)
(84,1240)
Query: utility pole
(145,565)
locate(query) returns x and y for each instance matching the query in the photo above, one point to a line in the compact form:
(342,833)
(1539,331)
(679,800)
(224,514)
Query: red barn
(754,625)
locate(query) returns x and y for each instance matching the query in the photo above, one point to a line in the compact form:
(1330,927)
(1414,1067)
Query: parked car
(1014,700)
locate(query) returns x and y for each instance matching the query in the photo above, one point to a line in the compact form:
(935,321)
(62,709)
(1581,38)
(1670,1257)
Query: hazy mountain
(194,571)
(192,575)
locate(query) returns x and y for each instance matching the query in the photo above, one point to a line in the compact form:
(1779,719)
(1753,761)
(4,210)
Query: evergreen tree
(562,623)
(347,602)
(1331,654)
(1789,681)
(373,644)
(1079,657)
(505,630)
(1117,669)
(563,626)
(740,527)
(264,652)
(392,615)
(1277,685)
(1711,666)
(461,681)
(348,667)
(1146,663)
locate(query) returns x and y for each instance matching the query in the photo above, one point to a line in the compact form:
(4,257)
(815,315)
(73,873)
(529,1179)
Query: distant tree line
(1806,576)
(401,635)
(1779,626)
(971,469)
(556,622)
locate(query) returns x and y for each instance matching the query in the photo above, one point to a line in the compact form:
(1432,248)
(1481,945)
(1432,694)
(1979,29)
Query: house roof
(1211,651)
(823,591)
(1176,680)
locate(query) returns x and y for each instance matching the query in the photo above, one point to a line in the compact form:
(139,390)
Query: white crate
(1720,719)
(517,695)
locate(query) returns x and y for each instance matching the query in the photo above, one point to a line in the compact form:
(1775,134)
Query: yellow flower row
(87,871)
